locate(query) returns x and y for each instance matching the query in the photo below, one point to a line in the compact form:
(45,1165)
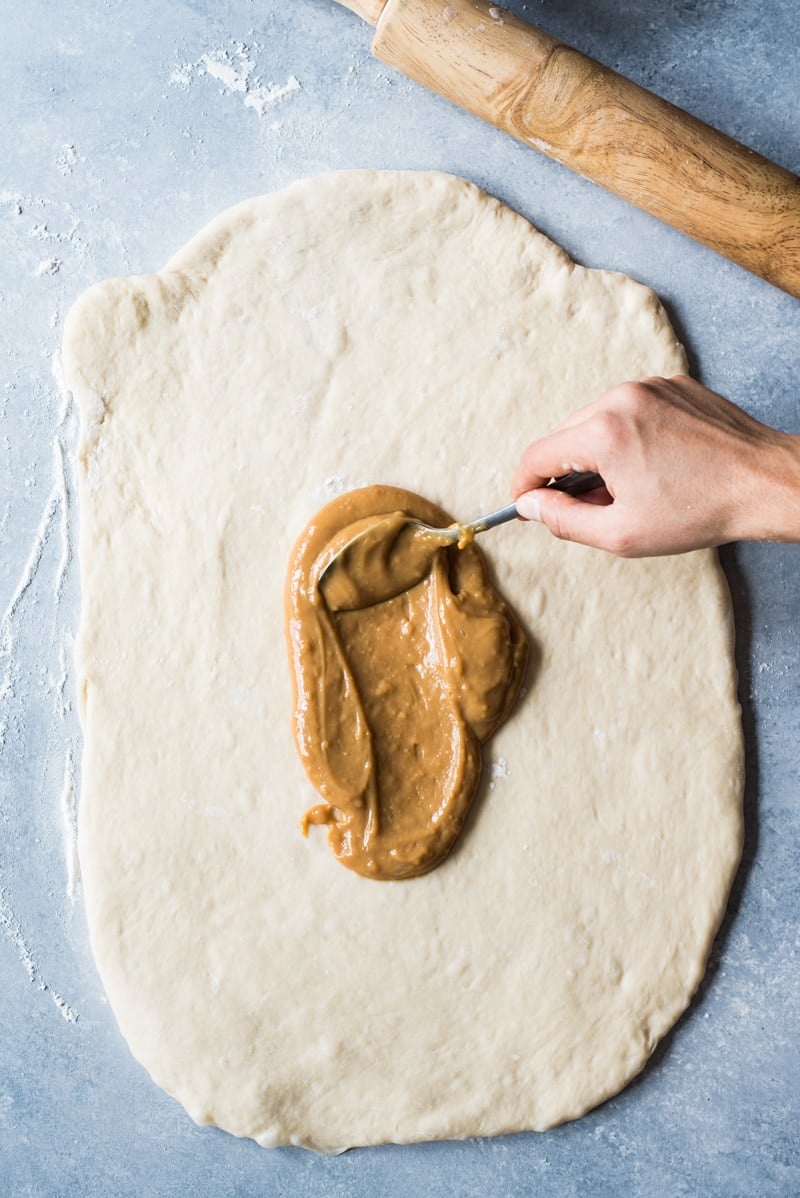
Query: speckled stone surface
(127,125)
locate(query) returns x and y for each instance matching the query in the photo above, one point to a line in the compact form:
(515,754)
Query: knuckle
(609,427)
(630,393)
(621,543)
(557,522)
(637,396)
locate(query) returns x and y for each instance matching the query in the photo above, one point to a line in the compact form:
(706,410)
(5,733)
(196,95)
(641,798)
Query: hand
(683,468)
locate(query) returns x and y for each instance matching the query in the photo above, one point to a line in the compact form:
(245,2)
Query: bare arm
(683,467)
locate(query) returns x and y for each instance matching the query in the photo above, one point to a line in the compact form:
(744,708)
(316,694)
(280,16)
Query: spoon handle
(501,516)
(577,482)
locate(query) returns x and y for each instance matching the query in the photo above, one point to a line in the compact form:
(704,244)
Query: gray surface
(155,152)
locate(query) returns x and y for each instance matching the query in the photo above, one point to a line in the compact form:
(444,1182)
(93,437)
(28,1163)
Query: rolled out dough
(407,329)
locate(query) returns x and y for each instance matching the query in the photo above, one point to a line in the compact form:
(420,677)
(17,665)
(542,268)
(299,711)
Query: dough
(406,329)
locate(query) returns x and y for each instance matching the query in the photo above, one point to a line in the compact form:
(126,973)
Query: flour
(181,75)
(63,704)
(64,503)
(264,97)
(54,223)
(499,768)
(59,500)
(29,571)
(69,819)
(335,485)
(10,927)
(235,70)
(66,160)
(56,515)
(233,75)
(44,235)
(57,371)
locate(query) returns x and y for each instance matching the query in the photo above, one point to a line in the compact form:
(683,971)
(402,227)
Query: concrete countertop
(127,125)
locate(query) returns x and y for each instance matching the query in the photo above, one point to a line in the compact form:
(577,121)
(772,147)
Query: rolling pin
(597,123)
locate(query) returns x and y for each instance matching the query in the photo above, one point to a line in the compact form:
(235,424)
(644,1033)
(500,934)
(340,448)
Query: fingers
(570,519)
(565,450)
(675,458)
(584,441)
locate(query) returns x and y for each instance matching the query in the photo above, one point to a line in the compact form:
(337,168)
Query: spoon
(393,554)
(577,482)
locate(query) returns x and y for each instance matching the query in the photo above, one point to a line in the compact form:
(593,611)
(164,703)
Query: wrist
(774,508)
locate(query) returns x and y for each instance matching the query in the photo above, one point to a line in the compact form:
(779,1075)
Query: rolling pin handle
(368,10)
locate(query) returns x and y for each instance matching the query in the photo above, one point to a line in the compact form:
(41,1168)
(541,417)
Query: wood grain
(601,125)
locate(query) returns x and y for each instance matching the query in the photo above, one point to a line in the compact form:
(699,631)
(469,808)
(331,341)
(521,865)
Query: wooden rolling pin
(599,124)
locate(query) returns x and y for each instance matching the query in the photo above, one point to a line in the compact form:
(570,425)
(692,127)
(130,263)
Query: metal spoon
(395,553)
(577,482)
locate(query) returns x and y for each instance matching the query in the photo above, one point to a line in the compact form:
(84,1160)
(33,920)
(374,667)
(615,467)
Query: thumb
(567,518)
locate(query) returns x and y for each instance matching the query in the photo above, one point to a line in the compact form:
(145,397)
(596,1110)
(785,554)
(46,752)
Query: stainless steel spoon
(394,554)
(577,482)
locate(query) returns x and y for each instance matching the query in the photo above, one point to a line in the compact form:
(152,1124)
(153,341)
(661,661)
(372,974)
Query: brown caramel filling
(404,660)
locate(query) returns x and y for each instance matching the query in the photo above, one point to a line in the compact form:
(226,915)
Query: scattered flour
(499,768)
(232,73)
(63,702)
(335,485)
(66,160)
(58,224)
(65,504)
(69,817)
(29,570)
(182,75)
(55,523)
(57,369)
(265,95)
(9,926)
(235,70)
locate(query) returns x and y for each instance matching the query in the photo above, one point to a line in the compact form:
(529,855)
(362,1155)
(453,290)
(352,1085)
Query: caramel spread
(405,659)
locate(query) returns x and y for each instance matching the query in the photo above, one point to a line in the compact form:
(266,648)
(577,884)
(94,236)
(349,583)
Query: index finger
(562,451)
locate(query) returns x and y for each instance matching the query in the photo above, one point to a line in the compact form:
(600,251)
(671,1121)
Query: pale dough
(400,328)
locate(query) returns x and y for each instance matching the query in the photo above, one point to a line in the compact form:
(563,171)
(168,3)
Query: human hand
(683,469)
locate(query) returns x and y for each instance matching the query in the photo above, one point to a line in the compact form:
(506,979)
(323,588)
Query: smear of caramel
(404,659)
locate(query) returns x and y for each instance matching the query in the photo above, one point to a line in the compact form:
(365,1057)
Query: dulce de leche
(404,661)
